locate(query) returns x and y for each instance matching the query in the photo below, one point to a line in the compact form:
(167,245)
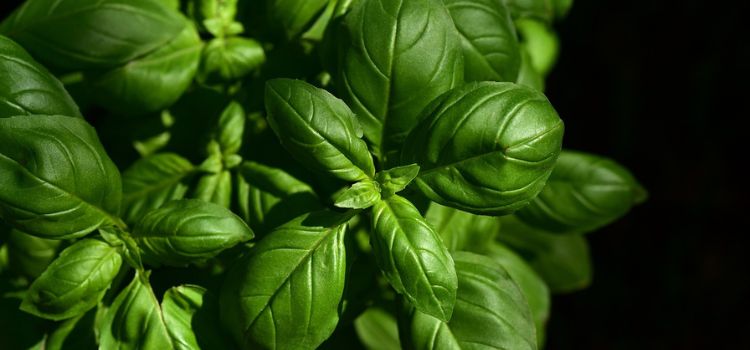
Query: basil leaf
(377,329)
(80,34)
(396,179)
(531,284)
(485,148)
(490,313)
(75,282)
(293,16)
(584,193)
(228,59)
(361,195)
(27,87)
(537,9)
(563,261)
(318,129)
(215,188)
(413,257)
(191,317)
(151,182)
(460,230)
(396,57)
(540,42)
(57,180)
(154,81)
(73,333)
(231,127)
(29,255)
(297,305)
(488,39)
(188,230)
(528,75)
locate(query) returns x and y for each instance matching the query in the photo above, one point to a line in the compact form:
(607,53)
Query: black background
(662,87)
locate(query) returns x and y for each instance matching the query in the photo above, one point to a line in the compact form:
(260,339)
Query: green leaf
(413,257)
(151,182)
(75,282)
(318,129)
(528,75)
(531,284)
(81,34)
(541,42)
(217,16)
(485,148)
(460,230)
(229,59)
(293,16)
(230,128)
(154,81)
(488,39)
(30,255)
(215,188)
(584,193)
(27,87)
(377,329)
(396,179)
(269,197)
(296,306)
(396,56)
(563,261)
(490,313)
(73,333)
(562,7)
(191,316)
(361,195)
(542,10)
(57,180)
(188,230)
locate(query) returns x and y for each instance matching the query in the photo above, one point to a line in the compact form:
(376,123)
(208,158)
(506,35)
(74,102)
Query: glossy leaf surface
(191,316)
(361,195)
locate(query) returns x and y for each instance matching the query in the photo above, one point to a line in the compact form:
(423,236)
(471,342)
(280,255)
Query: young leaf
(490,313)
(396,179)
(151,182)
(318,129)
(485,148)
(154,81)
(229,59)
(296,306)
(29,255)
(80,35)
(27,87)
(583,193)
(57,180)
(396,56)
(377,329)
(231,128)
(488,39)
(215,188)
(188,230)
(361,195)
(461,230)
(191,316)
(413,257)
(75,282)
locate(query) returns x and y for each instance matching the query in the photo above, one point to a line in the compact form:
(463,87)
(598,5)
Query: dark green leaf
(537,9)
(81,34)
(461,230)
(30,255)
(377,329)
(74,282)
(231,128)
(490,313)
(191,315)
(486,148)
(228,59)
(413,257)
(296,306)
(215,188)
(318,129)
(151,182)
(293,16)
(488,39)
(188,230)
(583,193)
(361,195)
(57,180)
(27,87)
(396,57)
(396,179)
(73,334)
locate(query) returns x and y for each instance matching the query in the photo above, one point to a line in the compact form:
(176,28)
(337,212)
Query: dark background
(662,87)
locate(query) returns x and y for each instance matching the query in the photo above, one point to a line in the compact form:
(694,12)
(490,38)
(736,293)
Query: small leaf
(296,306)
(188,230)
(215,188)
(229,59)
(361,195)
(541,43)
(396,179)
(75,282)
(413,257)
(230,128)
(318,129)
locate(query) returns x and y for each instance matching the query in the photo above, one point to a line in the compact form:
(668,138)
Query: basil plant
(289,174)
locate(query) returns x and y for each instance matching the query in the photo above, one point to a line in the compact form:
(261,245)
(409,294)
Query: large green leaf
(486,148)
(154,81)
(396,56)
(461,230)
(27,87)
(188,230)
(75,282)
(377,329)
(318,129)
(293,16)
(413,257)
(57,180)
(490,313)
(583,193)
(151,182)
(296,306)
(29,255)
(85,34)
(488,39)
